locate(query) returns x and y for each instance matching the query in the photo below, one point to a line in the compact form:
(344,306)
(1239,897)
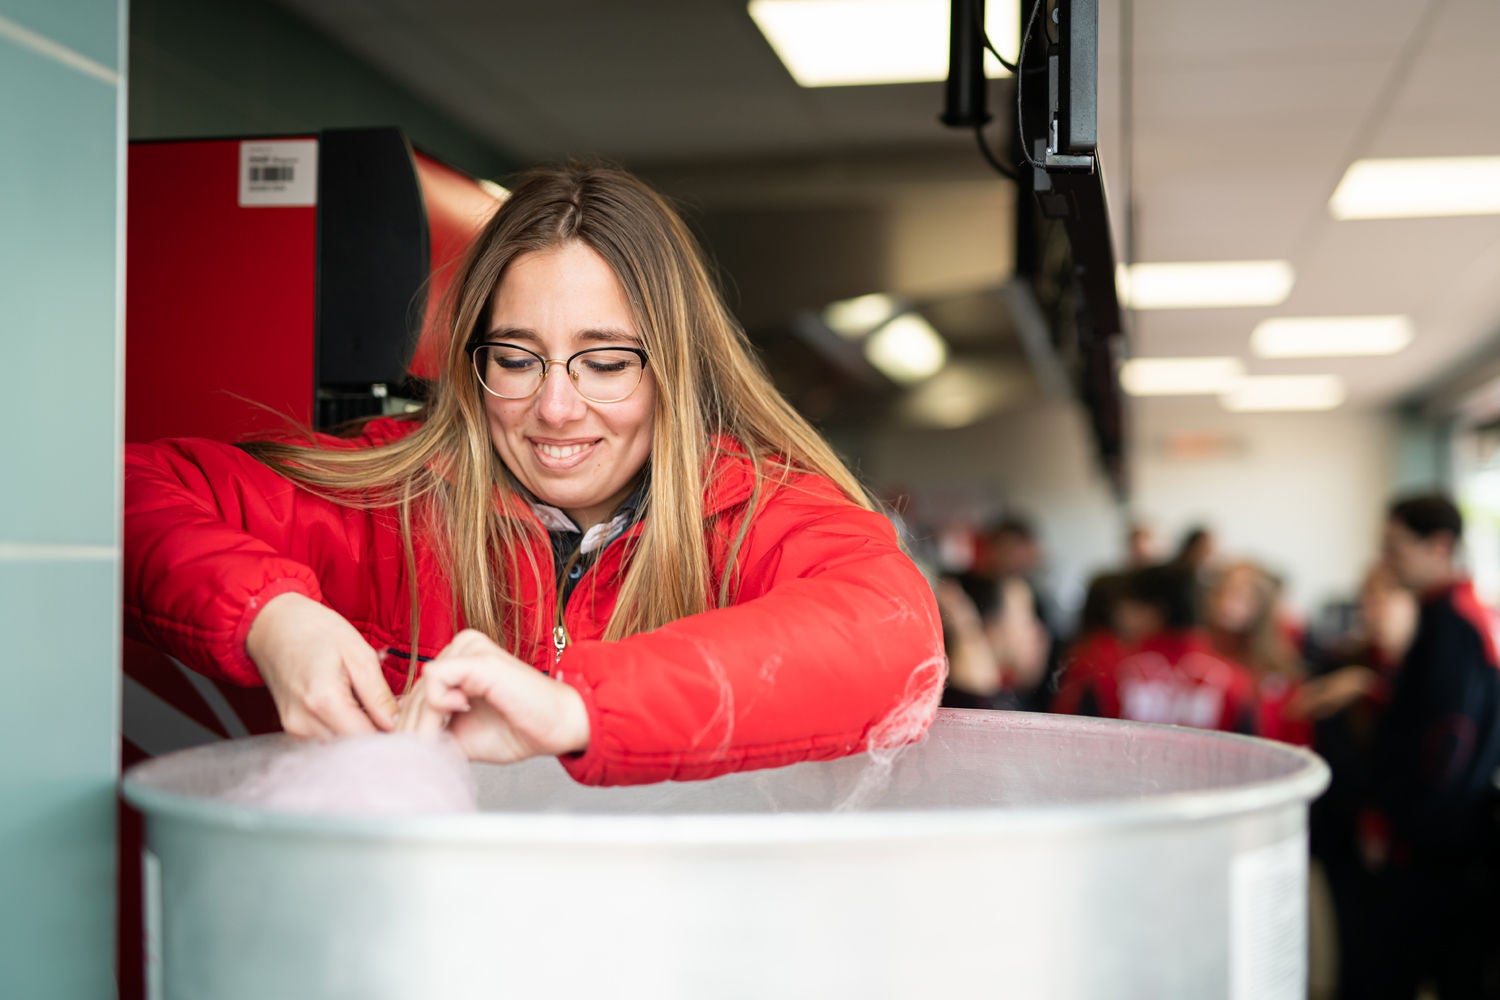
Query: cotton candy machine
(1015,855)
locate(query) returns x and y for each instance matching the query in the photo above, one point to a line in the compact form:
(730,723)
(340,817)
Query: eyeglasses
(600,374)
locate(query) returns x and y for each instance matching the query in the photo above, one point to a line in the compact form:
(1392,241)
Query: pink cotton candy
(384,774)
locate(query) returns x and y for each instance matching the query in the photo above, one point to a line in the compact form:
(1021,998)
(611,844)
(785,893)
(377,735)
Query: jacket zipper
(559,630)
(560,638)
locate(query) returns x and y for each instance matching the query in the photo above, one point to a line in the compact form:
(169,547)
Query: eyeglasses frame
(547,363)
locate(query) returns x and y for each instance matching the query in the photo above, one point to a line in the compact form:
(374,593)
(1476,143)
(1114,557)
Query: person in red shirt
(1240,619)
(1163,669)
(606,537)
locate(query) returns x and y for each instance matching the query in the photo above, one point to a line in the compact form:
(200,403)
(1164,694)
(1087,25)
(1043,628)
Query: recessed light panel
(1330,336)
(1205,284)
(853,318)
(907,349)
(1418,187)
(1262,393)
(1179,376)
(845,43)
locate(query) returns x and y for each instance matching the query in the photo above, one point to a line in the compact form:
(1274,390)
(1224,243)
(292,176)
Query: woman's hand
(325,679)
(499,709)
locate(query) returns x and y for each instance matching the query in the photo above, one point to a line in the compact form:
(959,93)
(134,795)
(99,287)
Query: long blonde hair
(446,479)
(1261,645)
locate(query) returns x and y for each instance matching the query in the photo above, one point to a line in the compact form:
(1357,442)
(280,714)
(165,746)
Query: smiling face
(580,456)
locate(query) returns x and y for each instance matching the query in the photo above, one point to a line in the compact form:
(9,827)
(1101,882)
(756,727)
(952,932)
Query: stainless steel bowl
(1006,855)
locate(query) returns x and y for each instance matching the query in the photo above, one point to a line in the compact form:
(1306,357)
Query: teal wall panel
(87,27)
(57,263)
(60,274)
(59,758)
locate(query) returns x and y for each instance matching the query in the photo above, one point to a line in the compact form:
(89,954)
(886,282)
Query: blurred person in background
(1350,689)
(1195,556)
(1100,637)
(1195,552)
(1100,641)
(1427,831)
(974,679)
(1140,546)
(1240,617)
(1005,612)
(994,661)
(1096,620)
(1032,625)
(1163,668)
(1244,625)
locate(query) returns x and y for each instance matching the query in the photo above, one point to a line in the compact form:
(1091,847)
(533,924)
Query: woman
(612,538)
(1244,626)
(1240,617)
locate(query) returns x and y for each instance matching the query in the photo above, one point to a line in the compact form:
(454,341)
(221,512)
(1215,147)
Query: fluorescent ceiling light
(853,318)
(1415,187)
(1206,284)
(1330,336)
(843,43)
(907,349)
(1180,376)
(493,189)
(1284,392)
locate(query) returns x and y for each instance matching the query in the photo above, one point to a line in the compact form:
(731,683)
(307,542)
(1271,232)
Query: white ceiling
(655,80)
(1245,116)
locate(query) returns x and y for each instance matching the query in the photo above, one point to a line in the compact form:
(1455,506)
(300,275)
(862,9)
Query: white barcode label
(1268,922)
(277,175)
(284,172)
(151,885)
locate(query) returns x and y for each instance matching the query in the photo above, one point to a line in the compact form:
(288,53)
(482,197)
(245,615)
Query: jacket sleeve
(209,533)
(834,647)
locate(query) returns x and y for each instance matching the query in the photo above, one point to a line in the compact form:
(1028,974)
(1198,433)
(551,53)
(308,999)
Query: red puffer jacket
(833,645)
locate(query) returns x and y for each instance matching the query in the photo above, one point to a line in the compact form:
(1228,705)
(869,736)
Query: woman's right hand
(500,709)
(325,679)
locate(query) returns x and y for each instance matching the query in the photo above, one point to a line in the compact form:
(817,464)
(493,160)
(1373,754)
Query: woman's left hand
(500,709)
